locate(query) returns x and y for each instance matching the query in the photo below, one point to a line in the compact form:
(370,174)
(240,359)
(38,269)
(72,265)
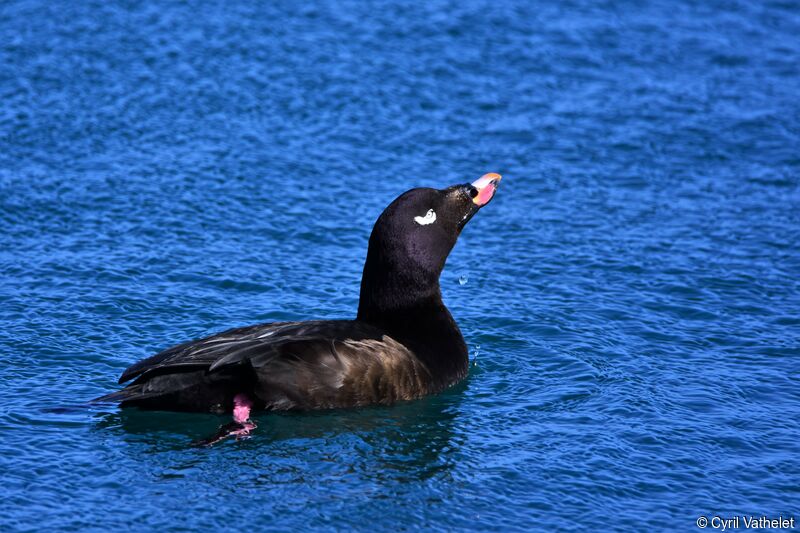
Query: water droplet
(463,279)
(475,353)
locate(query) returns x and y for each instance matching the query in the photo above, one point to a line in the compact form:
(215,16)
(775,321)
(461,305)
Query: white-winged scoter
(403,344)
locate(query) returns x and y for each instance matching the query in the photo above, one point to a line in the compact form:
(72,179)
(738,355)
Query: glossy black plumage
(404,343)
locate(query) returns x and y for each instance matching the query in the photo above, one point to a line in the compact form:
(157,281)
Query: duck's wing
(318,364)
(202,353)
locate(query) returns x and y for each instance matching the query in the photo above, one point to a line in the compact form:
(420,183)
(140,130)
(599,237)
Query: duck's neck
(412,312)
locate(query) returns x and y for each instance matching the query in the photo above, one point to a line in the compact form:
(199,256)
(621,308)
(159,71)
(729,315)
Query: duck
(402,345)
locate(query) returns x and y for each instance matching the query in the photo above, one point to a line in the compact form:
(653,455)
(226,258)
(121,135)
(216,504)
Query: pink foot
(239,428)
(243,431)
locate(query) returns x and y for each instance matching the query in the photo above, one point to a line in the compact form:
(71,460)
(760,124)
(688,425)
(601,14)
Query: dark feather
(285,365)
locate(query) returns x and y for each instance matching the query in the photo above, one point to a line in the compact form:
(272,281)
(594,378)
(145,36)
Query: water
(167,172)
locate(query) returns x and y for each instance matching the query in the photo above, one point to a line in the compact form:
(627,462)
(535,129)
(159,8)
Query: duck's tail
(129,393)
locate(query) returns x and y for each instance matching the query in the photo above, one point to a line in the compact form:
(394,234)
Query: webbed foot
(239,428)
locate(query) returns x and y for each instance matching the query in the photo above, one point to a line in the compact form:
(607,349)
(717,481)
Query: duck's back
(284,365)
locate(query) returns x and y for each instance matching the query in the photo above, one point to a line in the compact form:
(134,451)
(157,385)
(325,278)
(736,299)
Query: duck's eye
(429,218)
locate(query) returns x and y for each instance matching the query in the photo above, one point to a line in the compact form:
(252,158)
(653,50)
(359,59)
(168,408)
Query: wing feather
(262,341)
(314,364)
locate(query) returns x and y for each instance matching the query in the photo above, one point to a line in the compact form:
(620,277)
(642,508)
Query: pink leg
(239,428)
(241,408)
(241,416)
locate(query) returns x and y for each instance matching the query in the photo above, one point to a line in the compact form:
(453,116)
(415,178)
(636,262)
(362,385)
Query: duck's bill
(485,186)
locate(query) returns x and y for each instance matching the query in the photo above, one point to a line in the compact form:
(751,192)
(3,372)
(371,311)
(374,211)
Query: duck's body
(291,366)
(403,345)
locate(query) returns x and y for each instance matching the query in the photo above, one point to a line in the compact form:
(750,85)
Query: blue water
(631,298)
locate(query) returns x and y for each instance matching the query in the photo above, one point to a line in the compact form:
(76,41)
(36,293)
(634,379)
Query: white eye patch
(429,218)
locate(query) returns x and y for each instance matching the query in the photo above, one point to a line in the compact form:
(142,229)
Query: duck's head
(412,238)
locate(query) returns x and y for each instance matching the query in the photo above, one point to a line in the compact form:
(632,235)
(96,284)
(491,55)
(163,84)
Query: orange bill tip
(486,186)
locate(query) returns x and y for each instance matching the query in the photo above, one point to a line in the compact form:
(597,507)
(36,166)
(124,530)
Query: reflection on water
(408,441)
